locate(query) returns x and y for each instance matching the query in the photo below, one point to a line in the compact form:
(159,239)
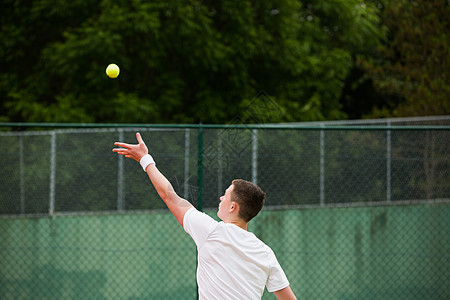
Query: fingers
(124,150)
(121,151)
(124,145)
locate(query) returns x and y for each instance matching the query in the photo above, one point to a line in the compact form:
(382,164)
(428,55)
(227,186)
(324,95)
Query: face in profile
(225,203)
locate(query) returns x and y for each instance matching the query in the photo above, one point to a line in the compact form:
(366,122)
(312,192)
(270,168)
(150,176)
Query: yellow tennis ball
(112,70)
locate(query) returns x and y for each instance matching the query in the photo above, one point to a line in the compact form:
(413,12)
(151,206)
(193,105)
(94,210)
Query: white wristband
(146,160)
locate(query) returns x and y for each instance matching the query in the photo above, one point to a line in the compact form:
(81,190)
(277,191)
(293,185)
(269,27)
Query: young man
(232,262)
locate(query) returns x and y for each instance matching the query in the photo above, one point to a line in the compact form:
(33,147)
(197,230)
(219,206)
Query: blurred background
(204,61)
(339,110)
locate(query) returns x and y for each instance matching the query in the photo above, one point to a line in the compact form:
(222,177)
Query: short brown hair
(250,198)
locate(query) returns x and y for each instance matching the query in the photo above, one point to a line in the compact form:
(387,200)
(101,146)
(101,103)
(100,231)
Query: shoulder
(194,214)
(198,225)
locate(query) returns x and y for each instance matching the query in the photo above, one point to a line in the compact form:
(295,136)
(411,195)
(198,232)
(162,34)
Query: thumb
(139,138)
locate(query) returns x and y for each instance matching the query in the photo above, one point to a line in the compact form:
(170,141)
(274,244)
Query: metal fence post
(22,180)
(255,156)
(322,166)
(187,135)
(52,173)
(120,160)
(200,168)
(388,163)
(219,164)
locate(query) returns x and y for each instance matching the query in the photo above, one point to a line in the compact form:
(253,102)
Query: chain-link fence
(352,212)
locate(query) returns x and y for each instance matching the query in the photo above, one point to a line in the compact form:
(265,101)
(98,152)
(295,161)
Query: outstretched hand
(132,151)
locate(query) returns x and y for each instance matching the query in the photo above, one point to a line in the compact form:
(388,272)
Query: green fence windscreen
(392,252)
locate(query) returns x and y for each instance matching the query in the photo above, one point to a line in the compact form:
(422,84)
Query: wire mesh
(350,213)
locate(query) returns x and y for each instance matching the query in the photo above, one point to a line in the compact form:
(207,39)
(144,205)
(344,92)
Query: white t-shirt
(232,262)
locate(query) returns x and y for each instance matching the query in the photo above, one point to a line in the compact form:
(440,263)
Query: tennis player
(232,262)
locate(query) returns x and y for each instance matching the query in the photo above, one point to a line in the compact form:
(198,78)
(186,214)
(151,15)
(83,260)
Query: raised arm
(177,205)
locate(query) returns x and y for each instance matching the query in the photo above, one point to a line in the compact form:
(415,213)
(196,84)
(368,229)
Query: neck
(239,223)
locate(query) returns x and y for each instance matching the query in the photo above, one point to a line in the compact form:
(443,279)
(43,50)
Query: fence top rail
(284,126)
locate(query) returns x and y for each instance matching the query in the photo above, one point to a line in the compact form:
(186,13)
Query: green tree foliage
(413,67)
(183,61)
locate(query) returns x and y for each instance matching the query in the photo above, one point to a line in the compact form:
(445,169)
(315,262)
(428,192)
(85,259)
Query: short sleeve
(198,225)
(277,279)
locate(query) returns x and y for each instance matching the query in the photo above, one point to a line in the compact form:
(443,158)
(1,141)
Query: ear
(234,207)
